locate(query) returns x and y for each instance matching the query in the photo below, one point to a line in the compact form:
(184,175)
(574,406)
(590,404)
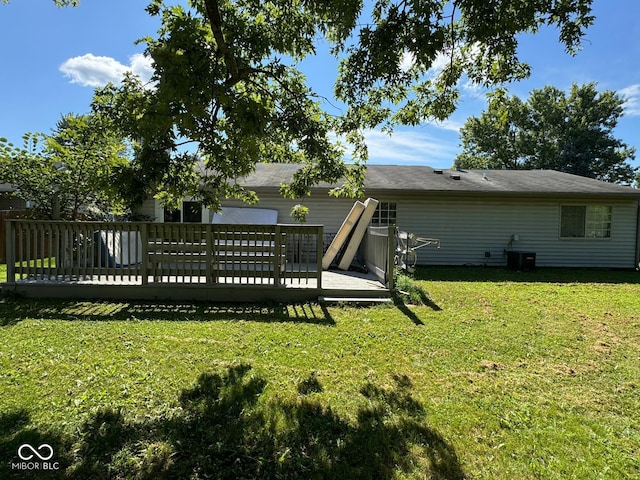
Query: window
(384,215)
(172,215)
(591,221)
(191,213)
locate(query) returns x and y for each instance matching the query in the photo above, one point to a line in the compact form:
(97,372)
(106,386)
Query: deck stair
(355,296)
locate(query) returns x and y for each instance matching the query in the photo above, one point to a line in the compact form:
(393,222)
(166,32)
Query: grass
(501,375)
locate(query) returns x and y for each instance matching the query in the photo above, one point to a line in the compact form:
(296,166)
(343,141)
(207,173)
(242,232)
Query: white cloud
(95,71)
(631,94)
(141,66)
(413,146)
(407,61)
(432,145)
(449,124)
(442,60)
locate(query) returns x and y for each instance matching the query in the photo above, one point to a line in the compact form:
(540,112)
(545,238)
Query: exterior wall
(469,227)
(323,209)
(152,209)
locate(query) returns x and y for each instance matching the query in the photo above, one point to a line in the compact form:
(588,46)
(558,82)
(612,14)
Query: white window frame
(595,222)
(386,214)
(204,213)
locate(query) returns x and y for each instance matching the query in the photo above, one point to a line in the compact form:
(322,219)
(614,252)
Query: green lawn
(504,375)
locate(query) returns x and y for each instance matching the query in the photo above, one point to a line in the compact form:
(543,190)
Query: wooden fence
(161,253)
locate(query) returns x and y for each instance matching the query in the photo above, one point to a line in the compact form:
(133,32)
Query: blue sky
(52,59)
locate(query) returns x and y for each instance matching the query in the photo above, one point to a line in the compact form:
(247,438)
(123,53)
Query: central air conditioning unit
(523,261)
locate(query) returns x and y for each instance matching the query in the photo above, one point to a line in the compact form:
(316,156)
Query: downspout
(637,262)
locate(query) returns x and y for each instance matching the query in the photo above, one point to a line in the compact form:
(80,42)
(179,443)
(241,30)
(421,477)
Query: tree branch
(453,37)
(215,22)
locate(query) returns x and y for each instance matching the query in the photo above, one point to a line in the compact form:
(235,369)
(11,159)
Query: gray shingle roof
(411,178)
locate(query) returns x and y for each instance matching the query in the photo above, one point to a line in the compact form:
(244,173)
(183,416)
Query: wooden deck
(345,284)
(148,261)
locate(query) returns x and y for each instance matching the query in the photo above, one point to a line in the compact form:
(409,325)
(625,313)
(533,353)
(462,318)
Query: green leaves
(221,92)
(69,173)
(227,90)
(226,85)
(445,42)
(552,130)
(299,213)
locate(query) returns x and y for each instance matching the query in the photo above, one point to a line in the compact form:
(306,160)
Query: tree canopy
(67,174)
(226,82)
(570,133)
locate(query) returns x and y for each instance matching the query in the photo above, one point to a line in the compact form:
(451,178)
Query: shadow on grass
(400,303)
(224,428)
(16,430)
(13,310)
(541,275)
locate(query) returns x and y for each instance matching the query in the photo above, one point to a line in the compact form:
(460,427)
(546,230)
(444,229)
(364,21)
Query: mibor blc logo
(35,458)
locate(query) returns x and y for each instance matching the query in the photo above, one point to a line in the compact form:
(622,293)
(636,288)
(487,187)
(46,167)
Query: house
(7,200)
(478,215)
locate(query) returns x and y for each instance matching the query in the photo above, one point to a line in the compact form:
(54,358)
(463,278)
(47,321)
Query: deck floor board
(332,280)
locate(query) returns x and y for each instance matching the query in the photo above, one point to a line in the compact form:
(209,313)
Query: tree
(551,130)
(68,173)
(226,81)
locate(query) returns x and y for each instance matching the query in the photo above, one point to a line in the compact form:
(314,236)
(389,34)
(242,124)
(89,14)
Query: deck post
(11,251)
(391,234)
(144,240)
(319,255)
(277,257)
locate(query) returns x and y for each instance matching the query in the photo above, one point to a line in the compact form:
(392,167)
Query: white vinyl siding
(470,227)
(323,209)
(151,209)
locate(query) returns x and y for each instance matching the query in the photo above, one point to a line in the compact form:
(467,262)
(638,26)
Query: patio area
(222,263)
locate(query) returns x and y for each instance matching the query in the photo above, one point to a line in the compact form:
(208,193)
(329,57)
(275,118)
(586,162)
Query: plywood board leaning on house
(245,216)
(370,206)
(343,234)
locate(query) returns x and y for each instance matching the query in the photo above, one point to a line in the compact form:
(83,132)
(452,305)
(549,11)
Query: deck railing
(379,252)
(4,216)
(145,252)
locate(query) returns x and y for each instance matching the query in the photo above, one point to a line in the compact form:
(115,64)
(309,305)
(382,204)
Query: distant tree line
(572,133)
